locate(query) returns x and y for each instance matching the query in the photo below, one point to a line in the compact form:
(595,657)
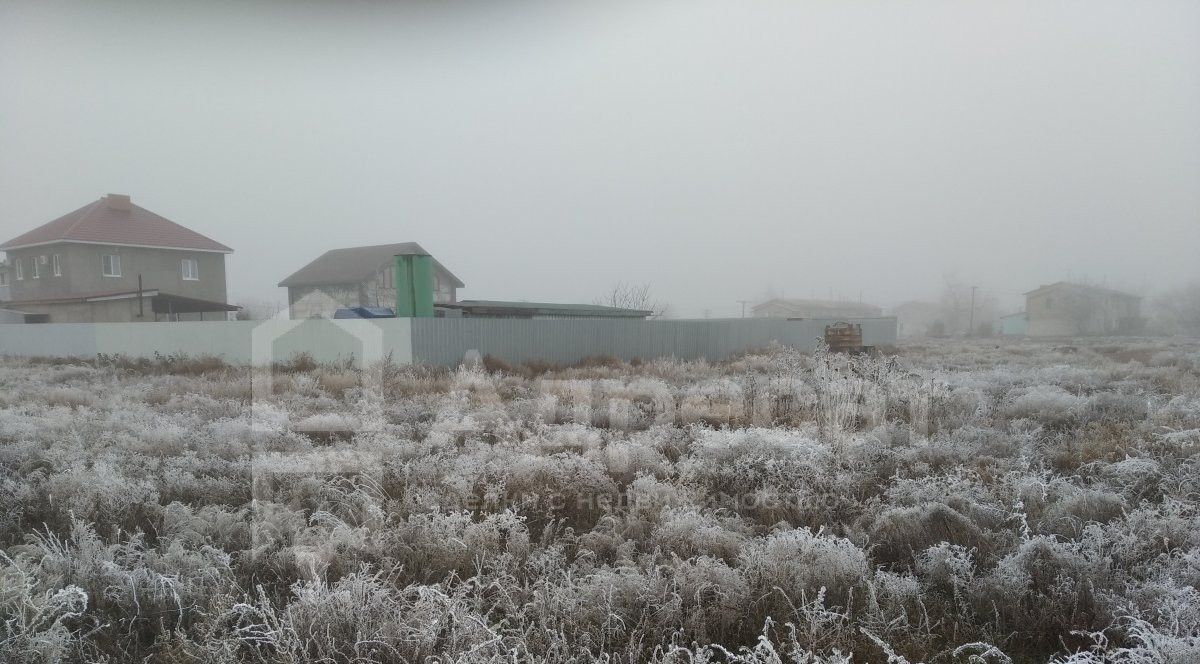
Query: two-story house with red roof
(113,261)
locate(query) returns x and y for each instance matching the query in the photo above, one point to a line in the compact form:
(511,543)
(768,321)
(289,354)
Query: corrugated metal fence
(437,341)
(444,341)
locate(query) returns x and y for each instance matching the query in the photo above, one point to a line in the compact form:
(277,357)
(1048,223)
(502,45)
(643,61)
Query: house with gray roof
(359,277)
(365,277)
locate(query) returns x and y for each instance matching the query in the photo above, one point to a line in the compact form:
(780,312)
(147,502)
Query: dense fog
(546,151)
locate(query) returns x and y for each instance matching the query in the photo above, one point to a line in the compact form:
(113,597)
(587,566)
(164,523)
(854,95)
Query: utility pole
(744,303)
(971,325)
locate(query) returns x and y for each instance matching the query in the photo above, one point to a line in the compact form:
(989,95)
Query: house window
(191,271)
(37,273)
(3,278)
(111,265)
(56,265)
(19,267)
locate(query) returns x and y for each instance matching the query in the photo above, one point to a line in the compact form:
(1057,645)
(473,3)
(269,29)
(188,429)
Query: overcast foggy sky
(544,151)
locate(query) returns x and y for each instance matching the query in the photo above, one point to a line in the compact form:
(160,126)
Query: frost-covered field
(960,502)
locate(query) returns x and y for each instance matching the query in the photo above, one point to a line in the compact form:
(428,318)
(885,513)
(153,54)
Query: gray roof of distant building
(549,308)
(352,265)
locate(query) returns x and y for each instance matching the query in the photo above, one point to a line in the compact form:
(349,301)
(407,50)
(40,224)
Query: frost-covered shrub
(574,438)
(1047,404)
(714,402)
(433,546)
(326,424)
(70,397)
(949,568)
(1046,587)
(1135,477)
(898,535)
(968,445)
(625,460)
(563,485)
(791,568)
(1069,514)
(1152,531)
(39,625)
(1112,407)
(102,492)
(351,616)
(735,462)
(1136,642)
(688,533)
(713,598)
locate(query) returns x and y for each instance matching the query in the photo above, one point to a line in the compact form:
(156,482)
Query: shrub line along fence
(433,341)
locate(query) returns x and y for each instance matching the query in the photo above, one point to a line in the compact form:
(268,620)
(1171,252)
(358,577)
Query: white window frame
(3,278)
(56,265)
(37,273)
(114,263)
(19,269)
(195,269)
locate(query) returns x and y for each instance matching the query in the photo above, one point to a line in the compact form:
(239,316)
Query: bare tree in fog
(258,309)
(633,296)
(963,312)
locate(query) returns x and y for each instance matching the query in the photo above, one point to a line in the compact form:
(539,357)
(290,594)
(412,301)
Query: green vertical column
(414,286)
(422,280)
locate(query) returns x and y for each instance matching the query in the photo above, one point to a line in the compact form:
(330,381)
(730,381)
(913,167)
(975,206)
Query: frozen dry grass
(957,503)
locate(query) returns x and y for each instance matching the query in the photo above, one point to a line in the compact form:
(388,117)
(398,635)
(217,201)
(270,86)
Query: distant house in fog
(113,261)
(794,308)
(1069,309)
(358,277)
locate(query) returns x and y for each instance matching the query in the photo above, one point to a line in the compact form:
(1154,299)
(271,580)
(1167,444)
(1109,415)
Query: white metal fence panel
(238,342)
(445,341)
(436,341)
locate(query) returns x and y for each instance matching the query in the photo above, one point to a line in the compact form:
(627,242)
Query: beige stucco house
(1069,309)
